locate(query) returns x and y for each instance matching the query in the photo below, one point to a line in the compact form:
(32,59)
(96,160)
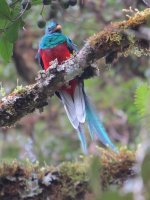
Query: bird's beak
(58,27)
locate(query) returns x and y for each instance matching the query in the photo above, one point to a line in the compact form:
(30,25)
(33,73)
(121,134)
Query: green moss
(77,170)
(73,178)
(19,89)
(114,33)
(115,37)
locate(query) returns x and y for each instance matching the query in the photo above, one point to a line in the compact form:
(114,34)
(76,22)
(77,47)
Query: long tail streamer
(95,126)
(82,138)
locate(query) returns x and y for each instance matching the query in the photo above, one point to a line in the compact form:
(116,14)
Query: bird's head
(52,27)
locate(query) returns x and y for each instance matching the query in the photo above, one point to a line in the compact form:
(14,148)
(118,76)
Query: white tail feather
(79,103)
(70,108)
(82,138)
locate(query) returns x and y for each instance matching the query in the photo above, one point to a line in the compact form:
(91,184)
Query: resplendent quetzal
(55,45)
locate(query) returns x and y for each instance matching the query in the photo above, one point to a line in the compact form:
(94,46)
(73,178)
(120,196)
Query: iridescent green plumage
(50,41)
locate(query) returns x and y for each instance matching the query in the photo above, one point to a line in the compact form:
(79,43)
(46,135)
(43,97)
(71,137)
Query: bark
(68,181)
(117,39)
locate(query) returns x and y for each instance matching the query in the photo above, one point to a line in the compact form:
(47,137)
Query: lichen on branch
(117,39)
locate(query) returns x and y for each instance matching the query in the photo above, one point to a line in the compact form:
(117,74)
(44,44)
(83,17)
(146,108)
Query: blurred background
(49,136)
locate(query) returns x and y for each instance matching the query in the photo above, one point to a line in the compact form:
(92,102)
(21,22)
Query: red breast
(61,53)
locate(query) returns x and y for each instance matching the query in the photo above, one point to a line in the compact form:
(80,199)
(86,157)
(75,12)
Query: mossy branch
(70,180)
(117,39)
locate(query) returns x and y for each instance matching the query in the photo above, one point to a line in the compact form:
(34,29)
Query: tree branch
(70,180)
(117,39)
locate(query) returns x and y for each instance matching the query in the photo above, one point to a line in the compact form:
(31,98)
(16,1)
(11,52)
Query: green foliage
(13,28)
(4,10)
(5,48)
(10,23)
(11,20)
(142,99)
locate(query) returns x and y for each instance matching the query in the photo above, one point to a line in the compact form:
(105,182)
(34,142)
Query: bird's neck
(51,40)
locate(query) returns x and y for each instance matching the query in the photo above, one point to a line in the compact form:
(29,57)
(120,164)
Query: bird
(55,45)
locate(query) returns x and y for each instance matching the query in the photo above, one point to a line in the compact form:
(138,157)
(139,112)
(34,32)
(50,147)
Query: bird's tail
(95,126)
(79,107)
(82,139)
(75,109)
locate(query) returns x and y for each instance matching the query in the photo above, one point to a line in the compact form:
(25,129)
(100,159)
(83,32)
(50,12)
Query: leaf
(5,48)
(142,98)
(3,23)
(4,10)
(15,11)
(12,31)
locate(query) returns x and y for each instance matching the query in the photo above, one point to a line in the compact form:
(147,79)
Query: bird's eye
(49,29)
